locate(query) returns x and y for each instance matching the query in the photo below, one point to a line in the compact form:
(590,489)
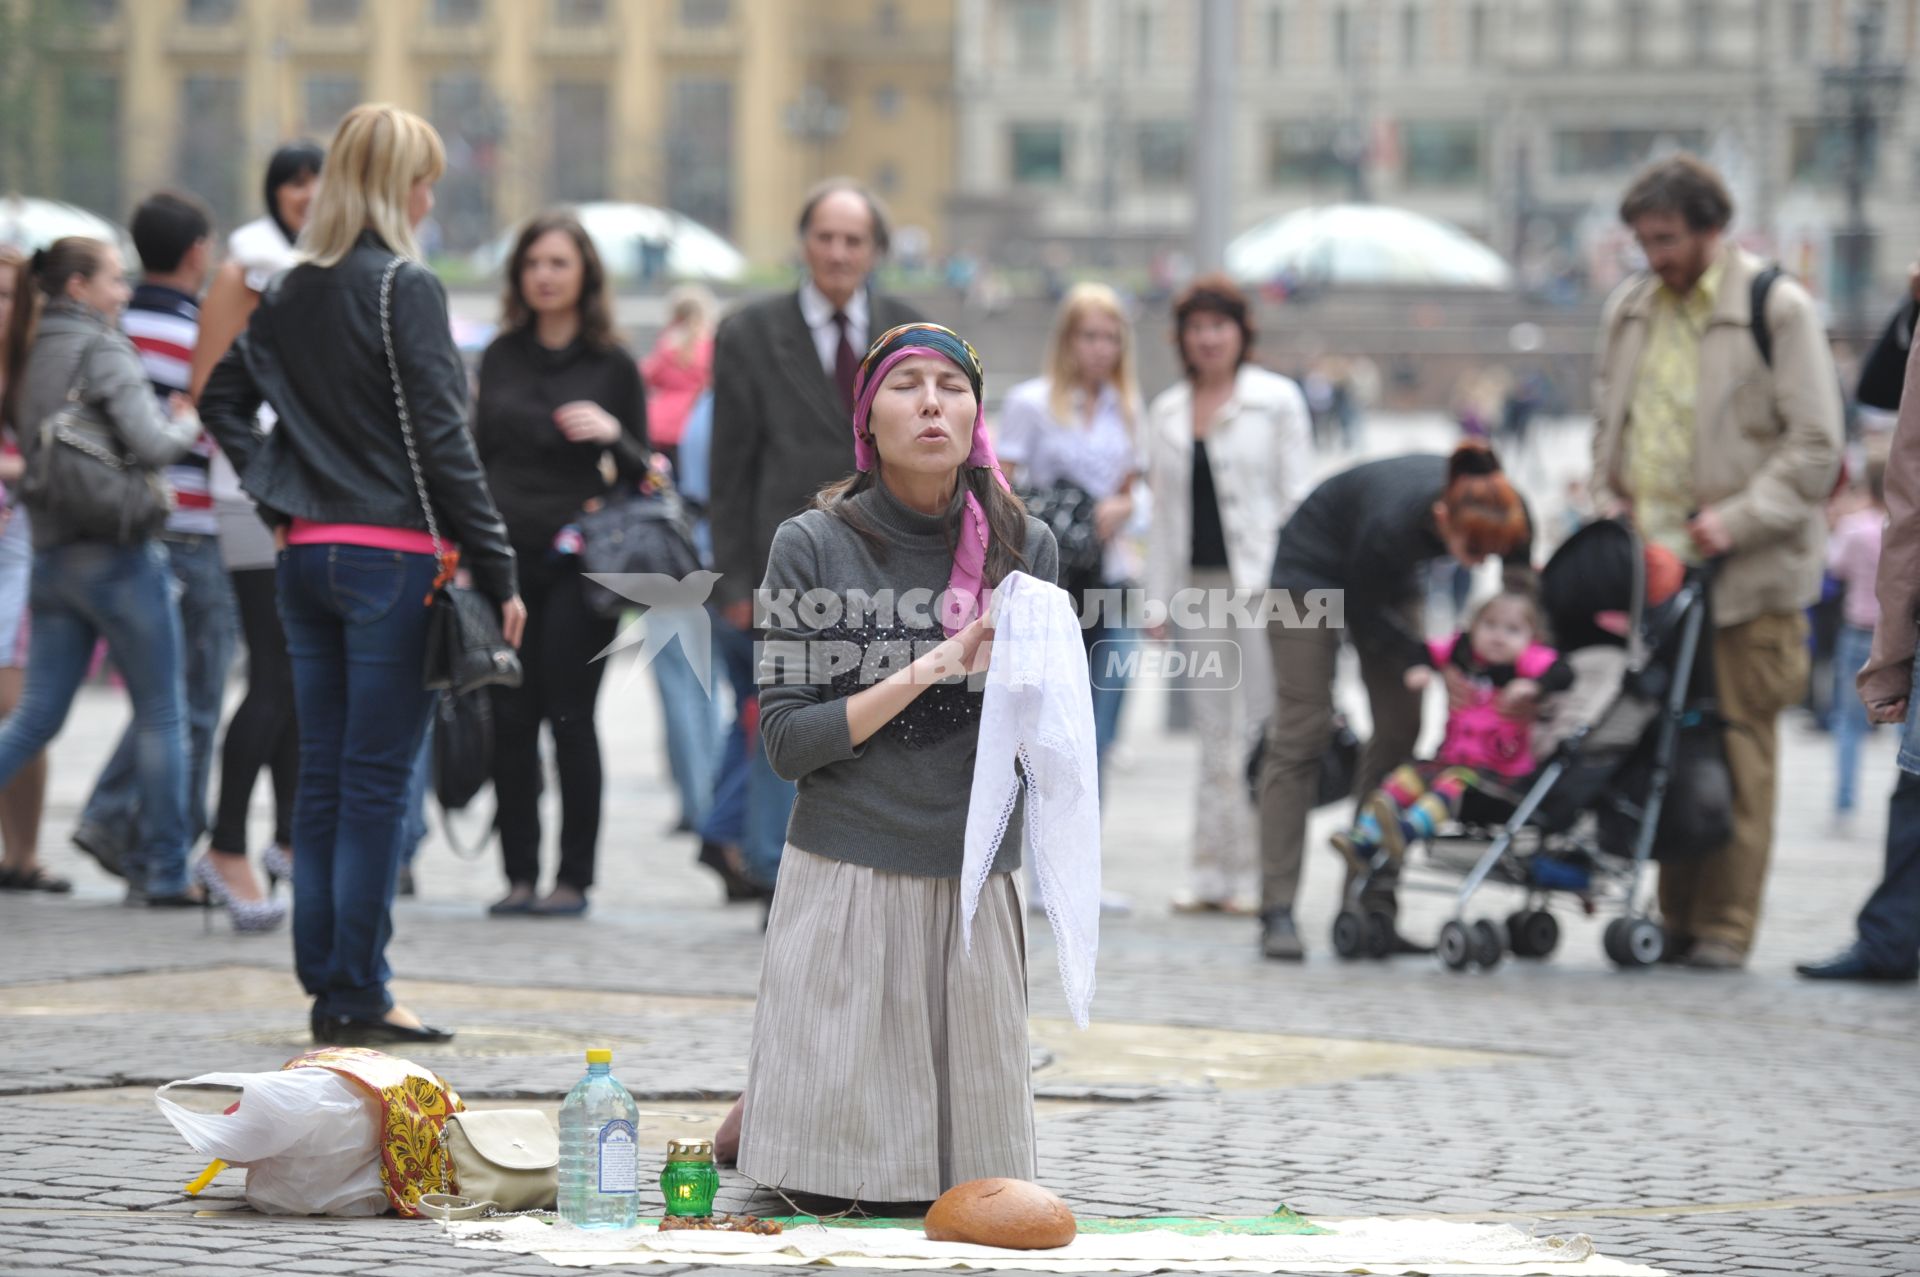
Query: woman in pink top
(1853,557)
(678,368)
(1487,746)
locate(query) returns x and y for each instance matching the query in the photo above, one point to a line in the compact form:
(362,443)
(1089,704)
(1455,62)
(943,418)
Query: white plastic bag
(309,1138)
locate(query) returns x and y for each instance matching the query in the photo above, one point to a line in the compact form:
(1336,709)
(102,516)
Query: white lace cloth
(1038,712)
(1400,1246)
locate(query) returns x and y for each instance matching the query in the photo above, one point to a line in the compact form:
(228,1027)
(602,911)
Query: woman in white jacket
(1229,455)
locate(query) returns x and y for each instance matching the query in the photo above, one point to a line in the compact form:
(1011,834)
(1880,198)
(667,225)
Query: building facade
(1517,119)
(726,110)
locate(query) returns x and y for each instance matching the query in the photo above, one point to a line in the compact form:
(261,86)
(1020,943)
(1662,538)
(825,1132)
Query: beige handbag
(507,1157)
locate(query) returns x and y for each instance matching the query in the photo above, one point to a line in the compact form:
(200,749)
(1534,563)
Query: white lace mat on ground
(1381,1247)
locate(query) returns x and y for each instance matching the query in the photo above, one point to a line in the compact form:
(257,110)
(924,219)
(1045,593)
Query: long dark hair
(1006,517)
(37,279)
(596,314)
(290,163)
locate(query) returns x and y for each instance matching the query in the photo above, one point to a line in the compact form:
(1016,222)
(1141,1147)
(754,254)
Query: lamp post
(1859,93)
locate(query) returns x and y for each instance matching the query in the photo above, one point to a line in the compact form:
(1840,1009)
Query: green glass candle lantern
(688,1181)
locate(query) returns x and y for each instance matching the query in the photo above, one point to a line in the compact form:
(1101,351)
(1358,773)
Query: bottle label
(619,1158)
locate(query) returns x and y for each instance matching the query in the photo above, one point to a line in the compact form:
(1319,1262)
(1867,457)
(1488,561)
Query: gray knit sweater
(899,801)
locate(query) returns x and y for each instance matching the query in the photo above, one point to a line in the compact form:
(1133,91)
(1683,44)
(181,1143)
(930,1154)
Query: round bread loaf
(1010,1213)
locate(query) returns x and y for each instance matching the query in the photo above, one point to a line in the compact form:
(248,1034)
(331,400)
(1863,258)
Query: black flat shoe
(348,1031)
(1851,966)
(740,888)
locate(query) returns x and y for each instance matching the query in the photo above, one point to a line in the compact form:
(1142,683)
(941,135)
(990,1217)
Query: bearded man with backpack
(1719,429)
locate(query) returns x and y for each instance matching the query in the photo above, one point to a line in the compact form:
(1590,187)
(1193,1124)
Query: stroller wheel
(1535,933)
(1380,935)
(1455,949)
(1634,942)
(1349,934)
(1487,948)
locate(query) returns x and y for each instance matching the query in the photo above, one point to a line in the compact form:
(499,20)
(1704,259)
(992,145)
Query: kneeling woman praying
(889,1063)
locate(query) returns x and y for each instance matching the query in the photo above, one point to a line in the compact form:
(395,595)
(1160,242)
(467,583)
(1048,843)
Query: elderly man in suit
(783,371)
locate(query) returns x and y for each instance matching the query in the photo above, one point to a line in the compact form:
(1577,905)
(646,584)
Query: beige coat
(1766,442)
(1888,675)
(1260,447)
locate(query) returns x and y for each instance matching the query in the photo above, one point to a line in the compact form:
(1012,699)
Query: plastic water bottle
(599,1150)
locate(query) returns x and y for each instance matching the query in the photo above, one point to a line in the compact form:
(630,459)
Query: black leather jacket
(313,350)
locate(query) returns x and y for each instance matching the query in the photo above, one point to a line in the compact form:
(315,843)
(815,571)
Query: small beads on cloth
(937,714)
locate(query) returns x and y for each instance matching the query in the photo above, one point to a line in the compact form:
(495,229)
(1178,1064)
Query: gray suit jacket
(780,433)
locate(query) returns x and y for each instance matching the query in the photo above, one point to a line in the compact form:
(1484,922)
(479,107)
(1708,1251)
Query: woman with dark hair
(1229,455)
(262,731)
(558,393)
(65,351)
(25,795)
(888,1063)
(1354,558)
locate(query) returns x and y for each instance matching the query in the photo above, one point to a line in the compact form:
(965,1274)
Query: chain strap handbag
(81,476)
(466,652)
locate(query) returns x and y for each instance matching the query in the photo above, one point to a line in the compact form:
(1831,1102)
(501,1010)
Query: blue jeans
(356,632)
(1849,717)
(768,799)
(419,785)
(726,818)
(82,592)
(207,628)
(693,728)
(1889,923)
(1109,646)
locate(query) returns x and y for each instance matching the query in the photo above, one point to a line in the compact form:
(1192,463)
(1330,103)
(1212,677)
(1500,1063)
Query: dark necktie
(846,364)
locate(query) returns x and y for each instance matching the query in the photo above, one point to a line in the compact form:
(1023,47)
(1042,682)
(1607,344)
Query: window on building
(333,13)
(1274,37)
(457,13)
(327,97)
(211,13)
(212,142)
(700,154)
(90,141)
(886,177)
(1819,151)
(1800,32)
(1566,31)
(1039,153)
(1633,31)
(100,12)
(1605,152)
(1034,26)
(1342,37)
(1700,29)
(582,141)
(1410,35)
(580,13)
(1300,155)
(1161,148)
(886,17)
(465,112)
(886,102)
(1477,23)
(705,14)
(1440,153)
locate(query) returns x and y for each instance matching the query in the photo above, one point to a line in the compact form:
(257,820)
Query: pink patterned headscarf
(967,594)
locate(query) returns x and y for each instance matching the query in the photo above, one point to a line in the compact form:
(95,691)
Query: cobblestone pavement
(1732,1124)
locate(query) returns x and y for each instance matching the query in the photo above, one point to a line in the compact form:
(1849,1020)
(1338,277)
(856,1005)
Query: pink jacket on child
(1480,736)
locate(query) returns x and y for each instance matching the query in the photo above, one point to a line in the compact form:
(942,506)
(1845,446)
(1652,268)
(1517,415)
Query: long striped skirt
(888,1062)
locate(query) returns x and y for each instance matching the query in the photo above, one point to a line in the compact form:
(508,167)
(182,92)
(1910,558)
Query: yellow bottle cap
(600,1055)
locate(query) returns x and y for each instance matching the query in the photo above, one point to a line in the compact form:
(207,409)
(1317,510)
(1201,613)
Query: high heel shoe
(278,864)
(247,915)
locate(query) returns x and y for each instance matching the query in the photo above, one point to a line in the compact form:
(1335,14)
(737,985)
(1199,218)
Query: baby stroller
(1631,768)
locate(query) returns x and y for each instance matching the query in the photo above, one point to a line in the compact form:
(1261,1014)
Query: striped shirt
(163,324)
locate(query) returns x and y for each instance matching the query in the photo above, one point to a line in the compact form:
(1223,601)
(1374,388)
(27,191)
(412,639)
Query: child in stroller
(1488,744)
